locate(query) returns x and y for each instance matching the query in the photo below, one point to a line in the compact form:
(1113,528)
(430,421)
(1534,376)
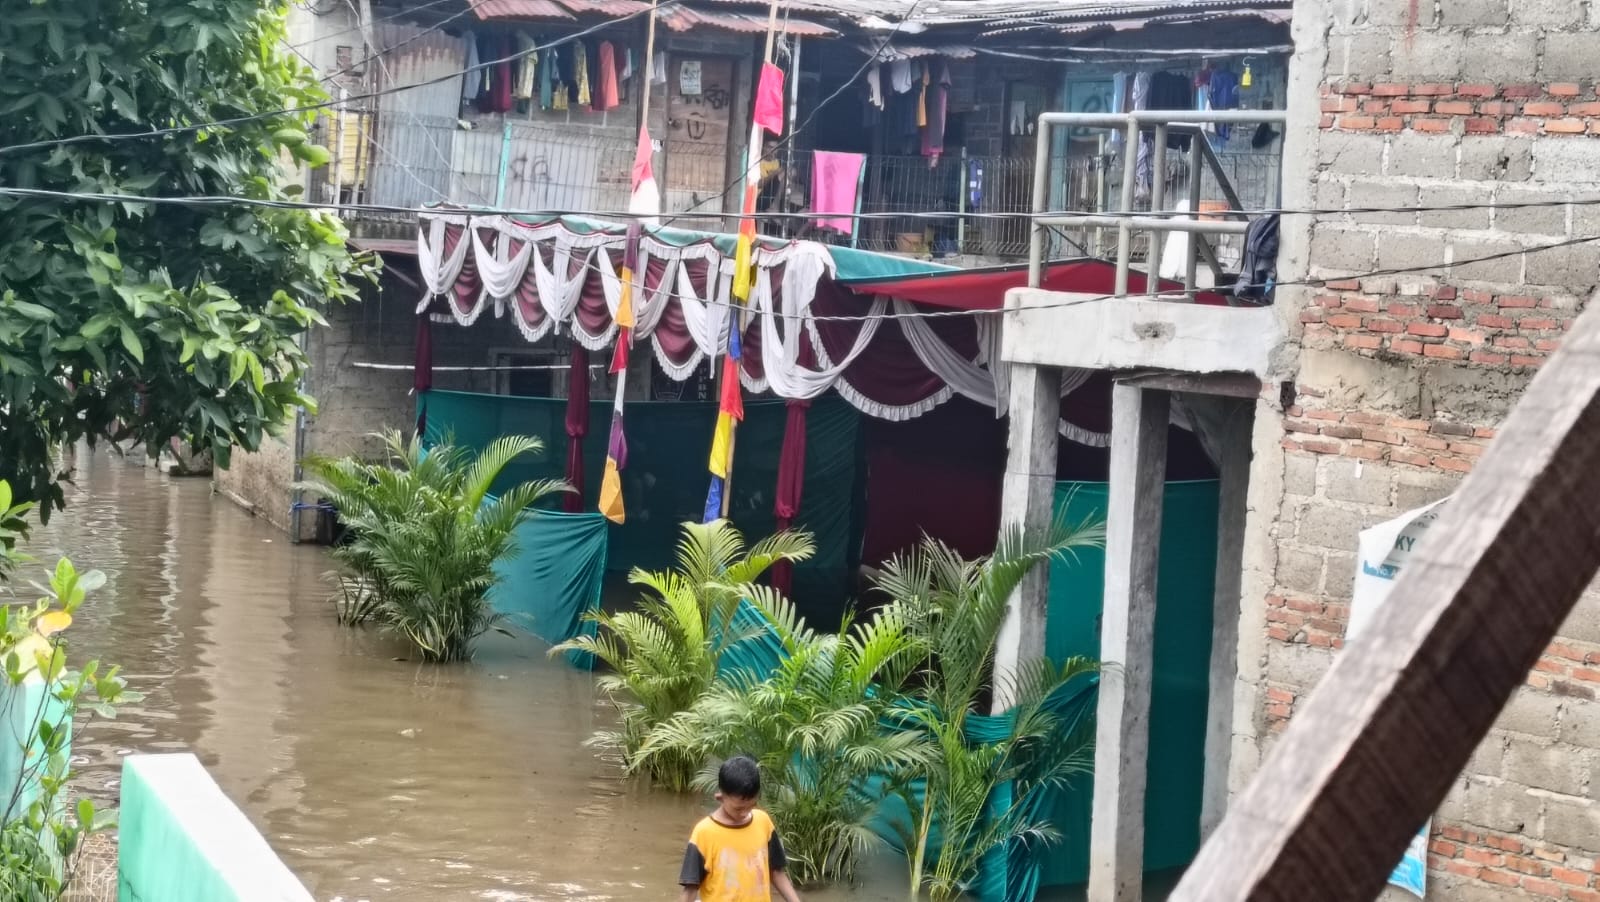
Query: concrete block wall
(1394,383)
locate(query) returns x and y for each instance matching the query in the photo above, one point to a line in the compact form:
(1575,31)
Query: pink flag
(645,198)
(769,99)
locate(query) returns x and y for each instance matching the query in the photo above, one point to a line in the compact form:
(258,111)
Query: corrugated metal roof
(918,14)
(518,10)
(898,51)
(683,18)
(606,7)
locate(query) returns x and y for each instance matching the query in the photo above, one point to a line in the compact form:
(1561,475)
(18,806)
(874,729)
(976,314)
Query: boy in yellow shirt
(734,853)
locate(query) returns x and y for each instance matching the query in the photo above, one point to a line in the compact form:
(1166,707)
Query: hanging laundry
(547,72)
(580,74)
(472,83)
(835,186)
(900,76)
(1119,92)
(875,86)
(1224,95)
(1142,163)
(922,97)
(627,63)
(563,76)
(938,108)
(500,98)
(658,69)
(527,66)
(1171,91)
(605,95)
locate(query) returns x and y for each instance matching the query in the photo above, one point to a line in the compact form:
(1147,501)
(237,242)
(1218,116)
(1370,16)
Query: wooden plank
(1229,385)
(1381,739)
(1139,420)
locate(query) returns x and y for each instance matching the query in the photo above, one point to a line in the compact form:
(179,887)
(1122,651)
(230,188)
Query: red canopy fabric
(985,288)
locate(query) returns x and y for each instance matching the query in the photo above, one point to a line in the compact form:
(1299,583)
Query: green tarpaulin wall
(553,577)
(1184,590)
(664,485)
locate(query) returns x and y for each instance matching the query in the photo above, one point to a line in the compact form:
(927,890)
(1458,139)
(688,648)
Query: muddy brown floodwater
(373,777)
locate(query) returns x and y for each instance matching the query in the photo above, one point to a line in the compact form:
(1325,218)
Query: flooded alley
(373,776)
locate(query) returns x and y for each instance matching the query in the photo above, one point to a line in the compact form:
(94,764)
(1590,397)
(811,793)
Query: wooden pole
(748,208)
(649,68)
(1381,740)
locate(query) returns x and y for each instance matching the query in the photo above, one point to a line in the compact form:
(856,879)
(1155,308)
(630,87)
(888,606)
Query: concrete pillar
(1028,497)
(1238,429)
(1139,420)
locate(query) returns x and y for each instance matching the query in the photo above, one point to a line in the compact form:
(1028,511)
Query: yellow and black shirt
(733,864)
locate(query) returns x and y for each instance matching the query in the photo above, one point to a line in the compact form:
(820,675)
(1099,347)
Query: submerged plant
(665,654)
(41,832)
(814,725)
(426,535)
(957,606)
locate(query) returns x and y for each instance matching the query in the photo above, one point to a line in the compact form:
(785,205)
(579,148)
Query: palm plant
(815,727)
(956,607)
(666,653)
(427,536)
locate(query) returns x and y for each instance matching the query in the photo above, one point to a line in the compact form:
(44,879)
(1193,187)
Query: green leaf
(130,341)
(97,325)
(32,311)
(289,137)
(236,368)
(85,814)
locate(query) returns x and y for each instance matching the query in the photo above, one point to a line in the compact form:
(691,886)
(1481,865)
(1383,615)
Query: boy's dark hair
(739,777)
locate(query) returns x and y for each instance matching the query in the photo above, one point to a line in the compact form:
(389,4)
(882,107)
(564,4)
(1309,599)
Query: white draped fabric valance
(555,277)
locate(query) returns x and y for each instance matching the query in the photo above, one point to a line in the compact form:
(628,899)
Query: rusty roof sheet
(890,52)
(683,18)
(607,7)
(502,10)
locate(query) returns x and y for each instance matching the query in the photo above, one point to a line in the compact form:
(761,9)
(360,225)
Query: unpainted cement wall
(1394,383)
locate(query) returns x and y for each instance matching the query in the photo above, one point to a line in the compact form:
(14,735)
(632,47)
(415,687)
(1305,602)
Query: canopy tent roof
(886,333)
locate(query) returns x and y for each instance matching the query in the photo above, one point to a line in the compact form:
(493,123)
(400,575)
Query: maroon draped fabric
(468,284)
(422,367)
(577,425)
(791,482)
(889,372)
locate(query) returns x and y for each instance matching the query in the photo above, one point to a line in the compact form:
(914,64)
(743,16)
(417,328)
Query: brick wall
(1398,382)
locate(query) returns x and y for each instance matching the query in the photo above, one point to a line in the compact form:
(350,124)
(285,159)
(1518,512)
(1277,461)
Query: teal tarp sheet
(554,577)
(1178,707)
(665,482)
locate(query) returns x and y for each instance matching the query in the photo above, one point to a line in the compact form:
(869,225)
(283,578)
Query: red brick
(1477,91)
(1363,418)
(1491,321)
(1361,305)
(1343,321)
(1302,426)
(1549,666)
(1444,311)
(1483,125)
(1324,414)
(1544,108)
(1516,301)
(1500,878)
(1410,458)
(1487,357)
(1339,104)
(1280,695)
(1480,432)
(1363,342)
(1386,436)
(1430,125)
(1428,330)
(1311,316)
(1521,92)
(1365,452)
(1570,652)
(1583,109)
(1444,293)
(1565,89)
(1517,862)
(1406,346)
(1565,126)
(1376,324)
(1512,341)
(1587,674)
(1497,108)
(1326,122)
(1428,442)
(1344,285)
(1463,869)
(1569,876)
(1407,107)
(1374,106)
(1541,887)
(1513,126)
(1535,324)
(1439,847)
(1409,425)
(1356,123)
(1390,90)
(1406,310)
(1457,834)
(1476,296)
(1443,352)
(1468,336)
(1433,90)
(1320,446)
(1389,124)
(1583,895)
(1453,464)
(1548,345)
(1353,87)
(1453,108)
